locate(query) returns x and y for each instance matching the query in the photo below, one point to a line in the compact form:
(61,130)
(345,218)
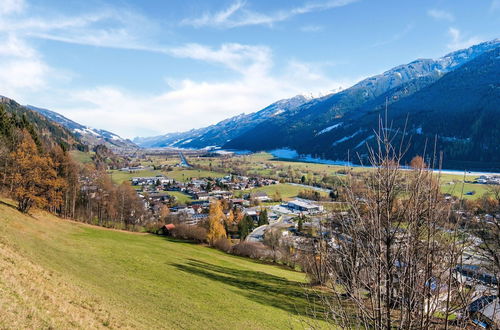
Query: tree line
(37,170)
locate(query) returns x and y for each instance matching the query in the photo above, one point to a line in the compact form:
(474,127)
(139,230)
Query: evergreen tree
(263,219)
(245,227)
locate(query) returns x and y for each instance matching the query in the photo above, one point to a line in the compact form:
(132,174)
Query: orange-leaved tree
(216,229)
(33,177)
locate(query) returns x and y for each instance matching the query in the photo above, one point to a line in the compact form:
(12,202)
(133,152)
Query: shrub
(223,244)
(194,233)
(250,250)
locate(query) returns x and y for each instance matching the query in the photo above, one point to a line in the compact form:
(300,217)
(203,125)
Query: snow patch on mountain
(329,128)
(345,138)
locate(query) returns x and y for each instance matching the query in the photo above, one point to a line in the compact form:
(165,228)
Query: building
(485,312)
(304,206)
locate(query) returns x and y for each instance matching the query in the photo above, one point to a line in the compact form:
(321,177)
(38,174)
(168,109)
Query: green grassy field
(81,157)
(119,176)
(183,174)
(59,274)
(265,164)
(180,197)
(287,191)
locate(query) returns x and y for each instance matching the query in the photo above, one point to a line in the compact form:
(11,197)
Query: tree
(334,194)
(245,227)
(277,196)
(393,250)
(272,238)
(263,219)
(215,228)
(229,221)
(417,162)
(300,225)
(33,178)
(489,233)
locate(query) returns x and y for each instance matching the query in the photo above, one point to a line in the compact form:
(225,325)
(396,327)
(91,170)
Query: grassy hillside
(59,274)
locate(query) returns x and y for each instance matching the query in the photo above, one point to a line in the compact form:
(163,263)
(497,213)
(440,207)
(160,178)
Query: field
(265,164)
(287,191)
(119,177)
(81,157)
(183,174)
(181,197)
(56,273)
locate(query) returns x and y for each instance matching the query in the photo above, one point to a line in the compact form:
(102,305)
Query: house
(474,274)
(166,229)
(485,312)
(261,196)
(304,206)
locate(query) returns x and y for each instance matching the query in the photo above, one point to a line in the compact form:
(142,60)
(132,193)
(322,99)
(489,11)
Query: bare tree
(392,252)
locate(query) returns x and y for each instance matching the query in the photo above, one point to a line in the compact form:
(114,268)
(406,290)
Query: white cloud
(238,14)
(459,42)
(241,58)
(441,15)
(185,103)
(12,6)
(192,103)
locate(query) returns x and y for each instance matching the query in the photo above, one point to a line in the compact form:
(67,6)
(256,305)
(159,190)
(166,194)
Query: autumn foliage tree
(216,229)
(33,177)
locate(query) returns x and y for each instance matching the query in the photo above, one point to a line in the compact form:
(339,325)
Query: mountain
(455,97)
(88,135)
(224,131)
(12,114)
(299,131)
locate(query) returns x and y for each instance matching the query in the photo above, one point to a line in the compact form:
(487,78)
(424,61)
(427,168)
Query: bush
(223,244)
(250,250)
(188,232)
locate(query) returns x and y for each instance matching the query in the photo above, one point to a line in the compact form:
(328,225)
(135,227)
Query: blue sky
(141,68)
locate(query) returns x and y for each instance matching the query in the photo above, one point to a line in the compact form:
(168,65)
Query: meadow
(287,191)
(56,273)
(265,164)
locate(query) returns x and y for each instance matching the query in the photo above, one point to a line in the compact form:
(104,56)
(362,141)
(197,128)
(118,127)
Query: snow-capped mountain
(88,135)
(401,74)
(456,96)
(224,131)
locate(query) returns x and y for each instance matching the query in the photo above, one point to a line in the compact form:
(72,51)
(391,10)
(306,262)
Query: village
(301,223)
(158,192)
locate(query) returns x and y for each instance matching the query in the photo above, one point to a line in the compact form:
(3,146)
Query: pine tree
(300,224)
(245,227)
(263,219)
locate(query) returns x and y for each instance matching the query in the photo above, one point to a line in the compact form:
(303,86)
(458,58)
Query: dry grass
(32,297)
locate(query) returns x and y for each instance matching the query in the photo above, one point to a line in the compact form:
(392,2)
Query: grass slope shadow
(290,296)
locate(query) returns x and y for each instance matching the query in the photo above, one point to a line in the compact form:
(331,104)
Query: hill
(337,125)
(45,130)
(340,123)
(88,135)
(224,131)
(60,274)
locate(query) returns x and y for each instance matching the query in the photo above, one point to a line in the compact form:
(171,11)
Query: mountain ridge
(88,135)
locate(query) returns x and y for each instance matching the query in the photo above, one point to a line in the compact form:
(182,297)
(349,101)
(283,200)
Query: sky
(149,67)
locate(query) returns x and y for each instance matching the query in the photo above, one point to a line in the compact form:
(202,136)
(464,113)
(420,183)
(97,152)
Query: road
(184,161)
(257,235)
